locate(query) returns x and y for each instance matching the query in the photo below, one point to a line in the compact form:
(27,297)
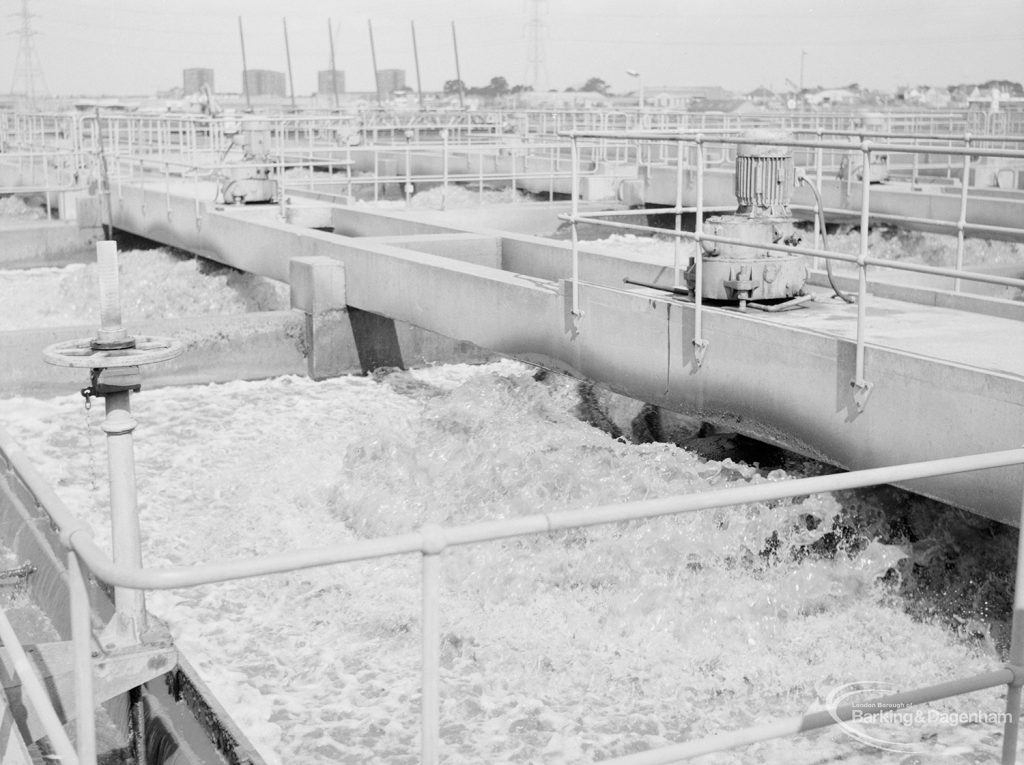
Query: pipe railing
(432,540)
(863,260)
(38,700)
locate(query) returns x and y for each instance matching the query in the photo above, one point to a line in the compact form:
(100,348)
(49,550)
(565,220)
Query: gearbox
(738,273)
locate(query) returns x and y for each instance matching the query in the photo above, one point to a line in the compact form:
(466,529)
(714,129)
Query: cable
(824,239)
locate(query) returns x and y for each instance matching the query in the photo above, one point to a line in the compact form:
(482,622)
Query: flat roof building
(264,82)
(194,79)
(325,82)
(390,80)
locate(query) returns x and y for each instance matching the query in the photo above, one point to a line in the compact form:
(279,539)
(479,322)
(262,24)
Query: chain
(94,484)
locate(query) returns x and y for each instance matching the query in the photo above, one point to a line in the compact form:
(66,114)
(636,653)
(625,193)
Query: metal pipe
(130,604)
(245,67)
(1016,657)
(36,693)
(793,726)
(444,168)
(676,242)
(965,182)
(76,534)
(373,58)
(826,254)
(862,266)
(458,72)
(431,692)
(735,140)
(574,231)
(81,646)
(699,343)
(416,59)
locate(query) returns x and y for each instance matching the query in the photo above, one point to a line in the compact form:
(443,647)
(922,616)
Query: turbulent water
(569,647)
(155,284)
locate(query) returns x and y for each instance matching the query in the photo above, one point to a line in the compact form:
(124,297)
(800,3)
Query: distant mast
(245,67)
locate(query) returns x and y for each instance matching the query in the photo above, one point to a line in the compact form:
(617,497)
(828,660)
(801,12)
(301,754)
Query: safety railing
(34,690)
(863,260)
(431,541)
(45,173)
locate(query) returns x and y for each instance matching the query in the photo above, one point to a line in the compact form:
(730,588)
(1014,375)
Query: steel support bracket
(861,393)
(114,673)
(700,347)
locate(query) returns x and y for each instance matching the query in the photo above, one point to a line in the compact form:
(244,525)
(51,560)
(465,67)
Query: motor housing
(735,272)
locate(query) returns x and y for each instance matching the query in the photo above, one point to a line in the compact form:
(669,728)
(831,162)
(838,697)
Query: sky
(137,47)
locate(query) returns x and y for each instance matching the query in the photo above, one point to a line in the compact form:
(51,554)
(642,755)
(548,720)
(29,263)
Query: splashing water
(155,284)
(568,647)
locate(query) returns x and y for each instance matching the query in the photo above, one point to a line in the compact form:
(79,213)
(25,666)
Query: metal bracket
(576,316)
(861,393)
(700,347)
(114,673)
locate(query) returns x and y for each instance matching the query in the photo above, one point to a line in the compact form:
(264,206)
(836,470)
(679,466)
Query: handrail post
(700,345)
(575,211)
(961,222)
(444,168)
(81,641)
(1016,657)
(434,543)
(819,161)
(677,240)
(861,387)
(407,189)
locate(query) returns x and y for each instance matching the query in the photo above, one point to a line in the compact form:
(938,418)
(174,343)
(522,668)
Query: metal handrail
(432,540)
(862,387)
(35,691)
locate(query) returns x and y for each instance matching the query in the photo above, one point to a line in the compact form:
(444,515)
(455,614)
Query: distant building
(263,82)
(325,82)
(680,97)
(194,79)
(390,80)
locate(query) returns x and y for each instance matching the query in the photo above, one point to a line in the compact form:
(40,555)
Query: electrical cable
(824,240)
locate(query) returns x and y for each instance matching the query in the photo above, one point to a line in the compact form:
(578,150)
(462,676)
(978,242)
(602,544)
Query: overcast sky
(122,47)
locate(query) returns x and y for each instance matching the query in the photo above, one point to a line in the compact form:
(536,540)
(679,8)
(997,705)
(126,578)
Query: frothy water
(155,284)
(568,647)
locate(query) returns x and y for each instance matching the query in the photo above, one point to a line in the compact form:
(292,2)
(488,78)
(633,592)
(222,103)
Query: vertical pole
(575,156)
(699,343)
(407,189)
(819,162)
(334,68)
(965,182)
(677,241)
(1016,657)
(245,67)
(373,58)
(416,58)
(458,72)
(288,58)
(444,168)
(81,646)
(433,545)
(862,269)
(130,605)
